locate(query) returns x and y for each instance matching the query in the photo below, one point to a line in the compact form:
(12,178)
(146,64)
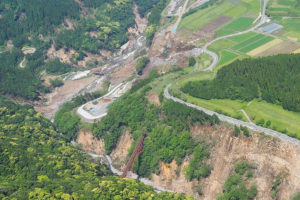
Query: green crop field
(278,8)
(204,16)
(292,28)
(256,44)
(227,57)
(224,8)
(221,44)
(248,41)
(239,24)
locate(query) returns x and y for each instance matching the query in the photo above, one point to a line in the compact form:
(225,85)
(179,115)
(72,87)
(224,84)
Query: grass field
(204,16)
(227,57)
(242,46)
(264,47)
(239,14)
(243,37)
(292,28)
(283,8)
(252,39)
(203,61)
(256,44)
(281,120)
(239,24)
(221,44)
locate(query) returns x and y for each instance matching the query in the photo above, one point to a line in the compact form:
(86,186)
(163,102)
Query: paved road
(234,121)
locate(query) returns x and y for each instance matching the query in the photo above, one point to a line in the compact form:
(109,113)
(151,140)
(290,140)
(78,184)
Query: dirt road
(180,16)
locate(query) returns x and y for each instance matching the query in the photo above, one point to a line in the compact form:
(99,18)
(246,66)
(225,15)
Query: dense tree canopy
(16,81)
(37,163)
(275,79)
(22,18)
(167,128)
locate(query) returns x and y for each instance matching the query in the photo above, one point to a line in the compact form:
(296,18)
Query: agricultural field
(237,25)
(287,14)
(291,28)
(226,57)
(239,12)
(264,47)
(249,44)
(279,8)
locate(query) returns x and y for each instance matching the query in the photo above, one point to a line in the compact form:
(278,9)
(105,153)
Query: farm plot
(283,8)
(242,13)
(264,47)
(204,16)
(244,43)
(227,57)
(292,28)
(256,44)
(285,47)
(239,24)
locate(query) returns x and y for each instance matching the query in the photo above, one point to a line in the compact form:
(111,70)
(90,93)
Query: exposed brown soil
(217,23)
(153,98)
(29,51)
(61,54)
(270,156)
(61,95)
(69,25)
(47,79)
(140,22)
(123,73)
(207,31)
(172,177)
(119,154)
(90,58)
(285,47)
(89,143)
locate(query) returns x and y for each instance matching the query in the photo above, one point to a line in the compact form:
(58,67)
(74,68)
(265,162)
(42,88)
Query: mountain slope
(37,163)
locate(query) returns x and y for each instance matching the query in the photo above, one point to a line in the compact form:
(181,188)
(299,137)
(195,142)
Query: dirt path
(246,115)
(22,63)
(180,16)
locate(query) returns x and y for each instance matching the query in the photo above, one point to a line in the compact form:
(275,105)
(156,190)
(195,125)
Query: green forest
(16,81)
(275,79)
(238,185)
(38,163)
(24,18)
(22,21)
(167,130)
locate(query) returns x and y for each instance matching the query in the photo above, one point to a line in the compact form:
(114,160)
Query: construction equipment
(139,148)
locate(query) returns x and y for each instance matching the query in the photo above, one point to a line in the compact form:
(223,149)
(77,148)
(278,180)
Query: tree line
(36,162)
(167,130)
(275,79)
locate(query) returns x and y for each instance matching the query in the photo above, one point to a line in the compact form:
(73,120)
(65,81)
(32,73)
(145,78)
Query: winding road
(251,126)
